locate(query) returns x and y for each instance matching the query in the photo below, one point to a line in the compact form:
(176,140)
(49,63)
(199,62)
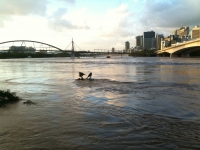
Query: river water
(132,103)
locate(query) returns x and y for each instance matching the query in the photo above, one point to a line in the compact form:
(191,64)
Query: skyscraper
(127,45)
(139,40)
(196,32)
(149,40)
(182,31)
(158,40)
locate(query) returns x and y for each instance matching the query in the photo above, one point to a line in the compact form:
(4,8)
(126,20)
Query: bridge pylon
(72,54)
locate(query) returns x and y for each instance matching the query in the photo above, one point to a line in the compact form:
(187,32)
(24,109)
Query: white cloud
(48,20)
(68,1)
(134,1)
(3,18)
(11,8)
(23,7)
(116,22)
(111,29)
(60,20)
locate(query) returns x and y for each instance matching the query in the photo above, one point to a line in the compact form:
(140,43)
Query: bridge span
(44,47)
(181,49)
(23,42)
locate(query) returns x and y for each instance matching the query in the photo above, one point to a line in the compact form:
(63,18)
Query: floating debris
(28,102)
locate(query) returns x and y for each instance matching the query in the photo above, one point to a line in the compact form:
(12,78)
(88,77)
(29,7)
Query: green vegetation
(144,53)
(8,97)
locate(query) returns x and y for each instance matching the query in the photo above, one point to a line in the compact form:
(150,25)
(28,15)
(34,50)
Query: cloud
(134,1)
(170,13)
(59,13)
(68,1)
(2,19)
(115,32)
(116,22)
(11,8)
(1,23)
(122,22)
(60,21)
(23,7)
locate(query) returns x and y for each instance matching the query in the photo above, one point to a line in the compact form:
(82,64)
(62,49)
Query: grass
(8,97)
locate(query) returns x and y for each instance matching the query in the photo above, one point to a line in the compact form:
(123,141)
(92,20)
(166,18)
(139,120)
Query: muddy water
(132,103)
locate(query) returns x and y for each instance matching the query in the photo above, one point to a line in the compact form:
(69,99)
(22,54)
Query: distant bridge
(184,49)
(96,52)
(23,42)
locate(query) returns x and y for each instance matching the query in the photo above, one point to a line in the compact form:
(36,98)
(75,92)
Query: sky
(93,24)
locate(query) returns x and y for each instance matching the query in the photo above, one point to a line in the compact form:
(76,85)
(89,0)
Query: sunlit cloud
(60,20)
(93,26)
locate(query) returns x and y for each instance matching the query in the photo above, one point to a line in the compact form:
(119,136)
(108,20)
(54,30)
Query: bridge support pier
(173,55)
(185,55)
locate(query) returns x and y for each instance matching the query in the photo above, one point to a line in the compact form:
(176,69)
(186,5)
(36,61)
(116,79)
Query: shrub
(8,97)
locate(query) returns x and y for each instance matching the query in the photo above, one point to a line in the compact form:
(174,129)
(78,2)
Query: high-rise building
(176,32)
(196,32)
(139,40)
(149,40)
(174,39)
(159,38)
(182,31)
(113,50)
(127,45)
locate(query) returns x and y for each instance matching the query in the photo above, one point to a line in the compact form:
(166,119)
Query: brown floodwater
(132,103)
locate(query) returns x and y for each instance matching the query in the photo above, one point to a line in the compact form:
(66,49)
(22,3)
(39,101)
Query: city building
(195,32)
(159,38)
(174,39)
(30,50)
(164,44)
(113,50)
(136,49)
(43,51)
(21,49)
(139,40)
(127,46)
(149,40)
(3,51)
(182,31)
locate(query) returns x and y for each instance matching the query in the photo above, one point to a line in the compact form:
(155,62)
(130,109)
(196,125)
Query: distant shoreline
(30,55)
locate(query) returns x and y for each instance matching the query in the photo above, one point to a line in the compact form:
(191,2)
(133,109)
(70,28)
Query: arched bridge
(183,49)
(23,42)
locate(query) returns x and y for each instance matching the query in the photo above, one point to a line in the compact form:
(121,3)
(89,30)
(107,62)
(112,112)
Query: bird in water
(81,75)
(89,75)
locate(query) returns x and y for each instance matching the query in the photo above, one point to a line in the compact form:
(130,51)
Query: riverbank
(152,53)
(40,55)
(29,55)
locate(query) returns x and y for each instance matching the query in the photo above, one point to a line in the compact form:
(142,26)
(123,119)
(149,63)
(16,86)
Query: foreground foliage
(8,97)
